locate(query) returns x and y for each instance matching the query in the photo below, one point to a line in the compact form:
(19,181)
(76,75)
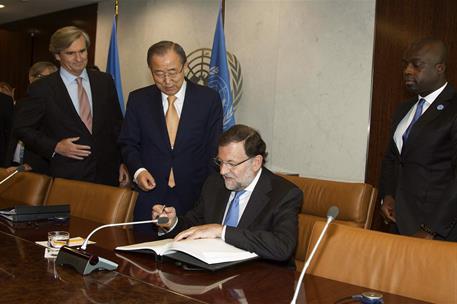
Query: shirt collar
(252,185)
(180,94)
(430,98)
(68,77)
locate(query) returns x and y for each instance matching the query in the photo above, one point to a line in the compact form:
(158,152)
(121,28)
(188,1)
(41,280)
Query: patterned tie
(172,121)
(84,105)
(417,114)
(234,211)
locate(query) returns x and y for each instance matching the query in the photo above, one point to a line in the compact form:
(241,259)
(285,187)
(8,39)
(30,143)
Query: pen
(163,209)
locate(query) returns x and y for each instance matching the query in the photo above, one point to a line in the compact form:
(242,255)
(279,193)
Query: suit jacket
(269,224)
(6,121)
(38,163)
(48,116)
(145,144)
(423,177)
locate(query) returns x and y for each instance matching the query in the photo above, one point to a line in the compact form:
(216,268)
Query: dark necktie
(84,105)
(234,210)
(417,114)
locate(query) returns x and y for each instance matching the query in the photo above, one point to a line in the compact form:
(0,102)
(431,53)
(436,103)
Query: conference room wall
(307,68)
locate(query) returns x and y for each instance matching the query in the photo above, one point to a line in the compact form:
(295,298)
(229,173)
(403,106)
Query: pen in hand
(162,219)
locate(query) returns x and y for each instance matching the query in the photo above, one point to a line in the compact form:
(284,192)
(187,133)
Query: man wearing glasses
(169,135)
(246,205)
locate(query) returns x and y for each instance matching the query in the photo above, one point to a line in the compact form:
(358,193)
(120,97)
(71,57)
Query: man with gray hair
(73,117)
(246,205)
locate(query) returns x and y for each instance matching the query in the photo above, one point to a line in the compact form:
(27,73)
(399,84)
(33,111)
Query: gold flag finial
(116,7)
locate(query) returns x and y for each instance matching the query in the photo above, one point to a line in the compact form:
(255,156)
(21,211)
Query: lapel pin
(439,107)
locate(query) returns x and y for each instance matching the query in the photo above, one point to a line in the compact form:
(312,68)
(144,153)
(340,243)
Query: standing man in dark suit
(170,133)
(246,205)
(419,175)
(72,117)
(6,122)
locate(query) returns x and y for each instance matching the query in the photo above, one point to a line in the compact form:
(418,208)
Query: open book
(213,252)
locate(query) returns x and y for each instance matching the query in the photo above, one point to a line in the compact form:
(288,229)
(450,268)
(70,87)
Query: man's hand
(388,208)
(67,148)
(423,235)
(209,231)
(159,211)
(12,169)
(145,181)
(124,179)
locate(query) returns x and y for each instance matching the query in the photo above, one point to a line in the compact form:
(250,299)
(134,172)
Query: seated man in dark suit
(246,205)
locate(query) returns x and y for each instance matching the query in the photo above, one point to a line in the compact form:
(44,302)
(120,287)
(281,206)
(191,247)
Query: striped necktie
(84,105)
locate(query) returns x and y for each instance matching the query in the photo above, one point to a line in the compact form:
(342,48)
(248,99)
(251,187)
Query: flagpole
(223,13)
(116,9)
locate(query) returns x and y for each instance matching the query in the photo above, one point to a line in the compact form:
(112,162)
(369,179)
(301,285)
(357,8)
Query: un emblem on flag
(199,72)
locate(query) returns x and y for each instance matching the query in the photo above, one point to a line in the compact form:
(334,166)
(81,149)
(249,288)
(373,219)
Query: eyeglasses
(170,74)
(220,163)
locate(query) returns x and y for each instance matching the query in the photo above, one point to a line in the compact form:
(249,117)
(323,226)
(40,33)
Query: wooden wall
(25,42)
(397,24)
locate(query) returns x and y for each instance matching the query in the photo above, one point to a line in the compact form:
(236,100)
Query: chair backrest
(356,202)
(99,203)
(24,188)
(416,268)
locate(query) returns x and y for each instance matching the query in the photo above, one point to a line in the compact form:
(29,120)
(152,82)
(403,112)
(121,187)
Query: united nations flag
(219,74)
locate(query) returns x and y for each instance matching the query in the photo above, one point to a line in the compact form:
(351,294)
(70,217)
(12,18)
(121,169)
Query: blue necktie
(234,211)
(417,114)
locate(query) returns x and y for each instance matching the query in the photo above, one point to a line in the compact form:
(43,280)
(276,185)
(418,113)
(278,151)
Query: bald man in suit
(419,174)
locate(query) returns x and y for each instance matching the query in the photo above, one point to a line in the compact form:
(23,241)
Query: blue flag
(113,67)
(219,73)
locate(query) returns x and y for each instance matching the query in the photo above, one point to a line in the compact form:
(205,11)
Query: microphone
(20,168)
(84,262)
(332,213)
(161,220)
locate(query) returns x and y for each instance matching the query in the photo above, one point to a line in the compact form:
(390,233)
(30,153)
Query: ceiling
(22,9)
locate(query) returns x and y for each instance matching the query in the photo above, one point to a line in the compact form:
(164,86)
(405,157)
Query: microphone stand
(86,241)
(21,168)
(331,215)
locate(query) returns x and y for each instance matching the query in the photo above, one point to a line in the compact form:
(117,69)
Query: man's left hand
(124,179)
(210,231)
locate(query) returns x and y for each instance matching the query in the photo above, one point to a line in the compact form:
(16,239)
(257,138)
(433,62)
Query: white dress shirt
(72,87)
(406,121)
(179,103)
(243,200)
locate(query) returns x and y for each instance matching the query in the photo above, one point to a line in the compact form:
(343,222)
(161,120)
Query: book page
(211,251)
(159,247)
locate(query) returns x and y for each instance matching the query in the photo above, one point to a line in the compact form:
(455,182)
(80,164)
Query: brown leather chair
(99,203)
(416,268)
(356,202)
(24,188)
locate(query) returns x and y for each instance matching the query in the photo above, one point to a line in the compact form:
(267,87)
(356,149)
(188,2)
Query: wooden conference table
(27,277)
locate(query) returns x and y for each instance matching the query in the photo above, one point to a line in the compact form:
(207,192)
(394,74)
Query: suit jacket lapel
(221,197)
(97,109)
(186,115)
(156,108)
(258,200)
(66,103)
(433,111)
